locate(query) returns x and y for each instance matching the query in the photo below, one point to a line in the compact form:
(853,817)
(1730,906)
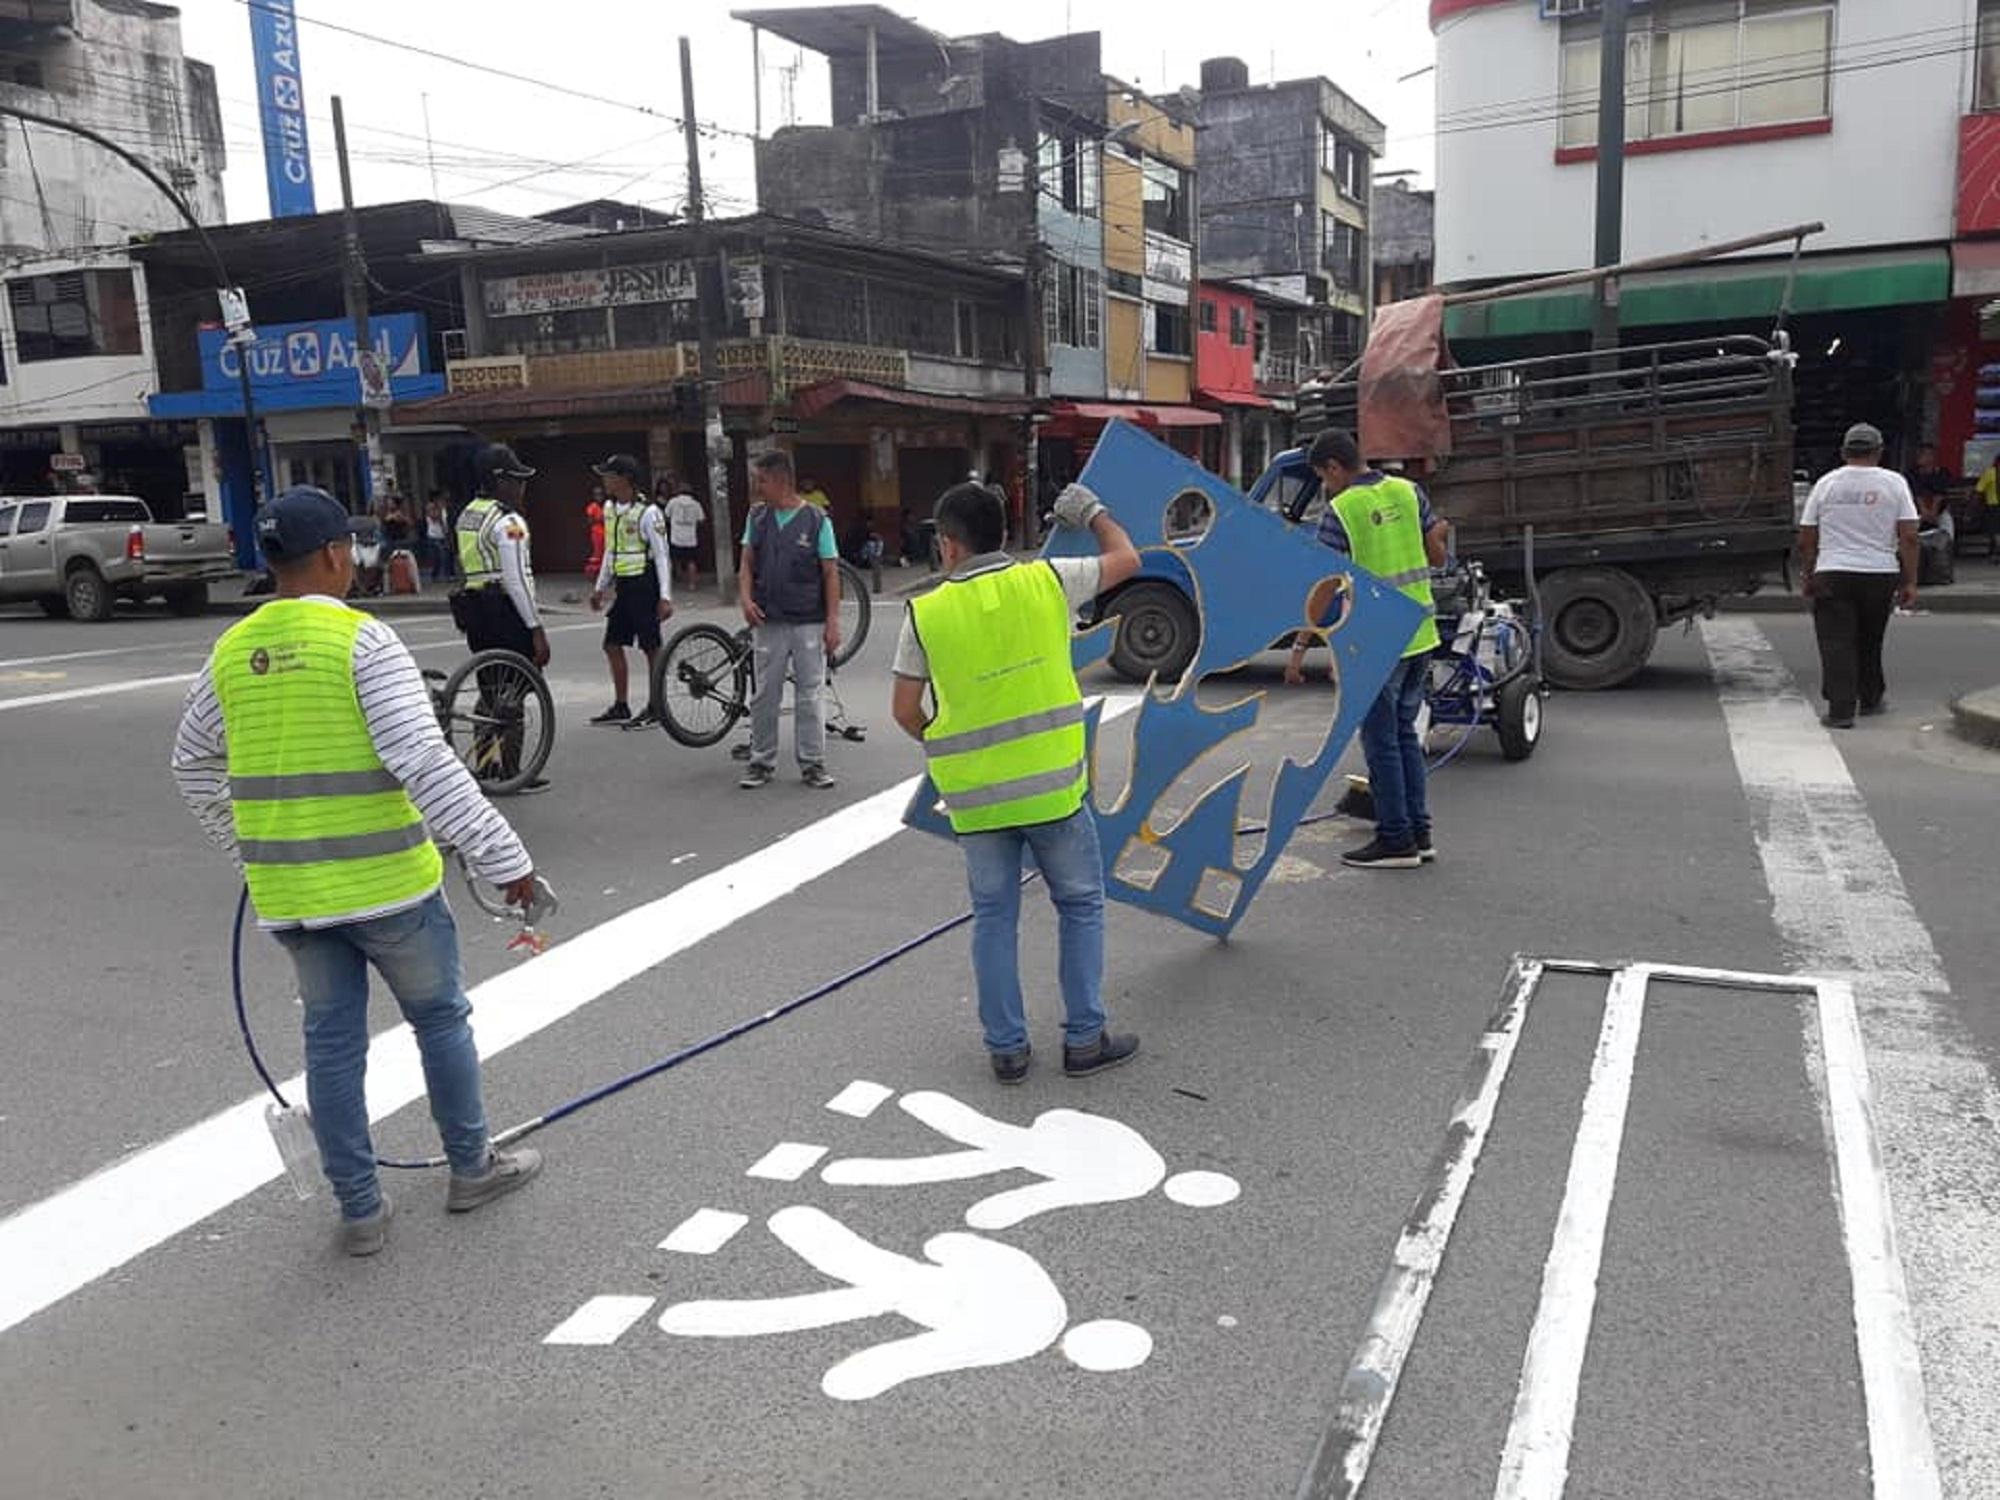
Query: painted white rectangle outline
(600,1321)
(1902,1453)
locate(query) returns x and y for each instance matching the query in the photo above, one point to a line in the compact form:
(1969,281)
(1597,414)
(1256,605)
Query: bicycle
(857,609)
(499,717)
(704,680)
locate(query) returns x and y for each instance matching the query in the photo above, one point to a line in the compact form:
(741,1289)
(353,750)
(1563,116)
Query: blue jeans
(1070,863)
(416,951)
(1396,756)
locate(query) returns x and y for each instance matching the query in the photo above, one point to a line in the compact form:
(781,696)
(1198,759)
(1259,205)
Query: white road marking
(860,1099)
(102,690)
(704,1232)
(64,1242)
(787,1161)
(600,1321)
(1840,903)
(35,661)
(1535,1462)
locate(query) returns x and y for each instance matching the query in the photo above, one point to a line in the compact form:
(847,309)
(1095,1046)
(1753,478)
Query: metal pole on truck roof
(1632,267)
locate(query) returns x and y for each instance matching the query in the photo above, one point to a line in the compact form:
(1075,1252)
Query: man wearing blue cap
(309,750)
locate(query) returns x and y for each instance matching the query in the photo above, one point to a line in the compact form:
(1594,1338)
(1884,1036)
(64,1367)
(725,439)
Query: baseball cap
(622,464)
(498,458)
(1862,437)
(300,522)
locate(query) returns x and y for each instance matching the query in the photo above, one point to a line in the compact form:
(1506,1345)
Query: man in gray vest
(789,587)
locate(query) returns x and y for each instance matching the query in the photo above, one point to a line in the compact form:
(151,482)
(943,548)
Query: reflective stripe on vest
(478,532)
(325,832)
(1007,748)
(1385,535)
(629,552)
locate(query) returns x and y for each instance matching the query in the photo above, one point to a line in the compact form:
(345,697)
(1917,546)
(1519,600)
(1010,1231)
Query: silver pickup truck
(77,555)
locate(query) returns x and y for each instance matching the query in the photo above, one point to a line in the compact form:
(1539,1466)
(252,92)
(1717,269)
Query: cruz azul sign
(293,355)
(588,287)
(274,40)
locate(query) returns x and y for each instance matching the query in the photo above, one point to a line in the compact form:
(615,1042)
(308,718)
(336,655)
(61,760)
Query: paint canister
(291,1129)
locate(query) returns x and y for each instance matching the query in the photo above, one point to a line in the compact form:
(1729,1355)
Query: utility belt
(470,602)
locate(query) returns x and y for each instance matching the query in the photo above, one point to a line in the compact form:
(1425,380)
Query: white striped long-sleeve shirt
(402,724)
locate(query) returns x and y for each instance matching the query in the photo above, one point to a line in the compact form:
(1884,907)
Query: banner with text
(274,39)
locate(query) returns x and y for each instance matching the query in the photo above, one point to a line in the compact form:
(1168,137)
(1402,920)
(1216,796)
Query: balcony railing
(1280,371)
(790,363)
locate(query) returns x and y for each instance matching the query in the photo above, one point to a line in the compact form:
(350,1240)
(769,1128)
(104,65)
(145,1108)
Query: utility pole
(1033,355)
(355,267)
(708,307)
(1610,170)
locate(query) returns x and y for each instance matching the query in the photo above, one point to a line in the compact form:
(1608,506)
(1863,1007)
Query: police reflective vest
(324,830)
(478,533)
(629,554)
(1006,749)
(1385,535)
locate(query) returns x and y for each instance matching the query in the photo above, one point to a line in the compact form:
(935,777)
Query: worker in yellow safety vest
(1004,741)
(310,751)
(1385,523)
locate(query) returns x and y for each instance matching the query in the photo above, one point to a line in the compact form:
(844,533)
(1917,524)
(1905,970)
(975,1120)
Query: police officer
(1386,525)
(494,560)
(1005,748)
(332,828)
(639,571)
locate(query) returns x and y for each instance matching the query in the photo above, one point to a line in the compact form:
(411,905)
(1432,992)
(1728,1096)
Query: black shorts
(635,613)
(686,556)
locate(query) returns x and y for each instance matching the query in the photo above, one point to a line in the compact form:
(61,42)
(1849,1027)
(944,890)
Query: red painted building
(1236,374)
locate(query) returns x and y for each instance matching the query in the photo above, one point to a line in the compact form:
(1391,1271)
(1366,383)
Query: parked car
(77,555)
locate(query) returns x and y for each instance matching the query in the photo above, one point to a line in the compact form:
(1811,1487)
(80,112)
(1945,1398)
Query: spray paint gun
(530,940)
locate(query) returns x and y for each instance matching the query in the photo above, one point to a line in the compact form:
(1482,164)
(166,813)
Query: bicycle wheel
(499,718)
(700,685)
(856,609)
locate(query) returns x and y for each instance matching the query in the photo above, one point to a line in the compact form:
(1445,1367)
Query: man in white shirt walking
(1858,560)
(684,518)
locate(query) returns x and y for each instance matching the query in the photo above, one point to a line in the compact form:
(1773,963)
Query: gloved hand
(1076,507)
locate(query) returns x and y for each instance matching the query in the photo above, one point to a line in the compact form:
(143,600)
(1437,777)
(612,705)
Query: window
(968,331)
(1125,283)
(1072,312)
(1208,315)
(1238,335)
(1066,171)
(1705,65)
(1986,70)
(106,512)
(1166,200)
(31,518)
(1167,329)
(1346,162)
(1343,252)
(74,315)
(7,514)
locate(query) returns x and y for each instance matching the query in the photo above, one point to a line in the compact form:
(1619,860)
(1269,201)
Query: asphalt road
(1315,1060)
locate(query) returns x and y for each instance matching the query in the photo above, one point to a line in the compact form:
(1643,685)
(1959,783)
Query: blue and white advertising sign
(274,39)
(299,357)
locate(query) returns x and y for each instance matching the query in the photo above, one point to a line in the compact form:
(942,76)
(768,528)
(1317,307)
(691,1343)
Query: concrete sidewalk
(1976,717)
(1976,591)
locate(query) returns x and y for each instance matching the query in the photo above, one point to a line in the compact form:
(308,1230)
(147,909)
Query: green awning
(1726,292)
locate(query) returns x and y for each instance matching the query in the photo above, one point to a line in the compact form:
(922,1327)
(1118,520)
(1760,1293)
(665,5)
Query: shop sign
(589,287)
(326,353)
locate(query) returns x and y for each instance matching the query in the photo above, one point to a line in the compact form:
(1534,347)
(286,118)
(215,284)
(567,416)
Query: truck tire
(1598,627)
(54,606)
(1517,717)
(88,596)
(1158,633)
(188,600)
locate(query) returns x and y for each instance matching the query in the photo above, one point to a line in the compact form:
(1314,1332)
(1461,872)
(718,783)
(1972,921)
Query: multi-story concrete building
(114,66)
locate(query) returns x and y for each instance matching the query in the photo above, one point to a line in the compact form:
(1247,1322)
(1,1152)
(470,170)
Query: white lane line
(600,1321)
(860,1099)
(66,1241)
(787,1161)
(1841,906)
(704,1232)
(32,661)
(1535,1463)
(103,689)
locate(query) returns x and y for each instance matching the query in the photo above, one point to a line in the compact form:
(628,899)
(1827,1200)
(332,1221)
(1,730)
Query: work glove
(1076,507)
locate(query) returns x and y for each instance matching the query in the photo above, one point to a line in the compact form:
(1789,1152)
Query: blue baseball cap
(300,522)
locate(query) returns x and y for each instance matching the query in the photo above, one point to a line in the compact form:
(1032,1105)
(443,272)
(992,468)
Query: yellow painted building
(1149,260)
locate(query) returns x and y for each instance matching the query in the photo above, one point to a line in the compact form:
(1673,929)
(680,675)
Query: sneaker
(1426,851)
(539,784)
(645,718)
(1380,856)
(618,713)
(819,778)
(368,1236)
(1106,1052)
(1012,1067)
(755,776)
(505,1171)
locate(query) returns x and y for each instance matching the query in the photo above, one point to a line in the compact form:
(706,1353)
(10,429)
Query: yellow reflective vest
(1385,535)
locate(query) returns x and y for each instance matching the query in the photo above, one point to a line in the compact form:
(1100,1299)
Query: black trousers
(1851,616)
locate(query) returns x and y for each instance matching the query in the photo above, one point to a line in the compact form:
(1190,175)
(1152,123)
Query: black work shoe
(1012,1067)
(618,713)
(1106,1052)
(1838,721)
(818,778)
(645,718)
(539,784)
(1876,709)
(755,776)
(1380,856)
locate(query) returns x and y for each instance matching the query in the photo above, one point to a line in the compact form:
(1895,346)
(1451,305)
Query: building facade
(1404,239)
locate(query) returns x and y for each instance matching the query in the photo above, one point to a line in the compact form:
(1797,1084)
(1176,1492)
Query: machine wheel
(88,596)
(1600,627)
(1158,633)
(54,606)
(1517,710)
(856,610)
(701,683)
(188,600)
(500,719)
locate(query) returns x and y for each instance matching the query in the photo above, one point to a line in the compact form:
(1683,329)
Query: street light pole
(259,471)
(1610,170)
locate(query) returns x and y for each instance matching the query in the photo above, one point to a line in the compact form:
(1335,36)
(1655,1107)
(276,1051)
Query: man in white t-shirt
(684,518)
(1858,559)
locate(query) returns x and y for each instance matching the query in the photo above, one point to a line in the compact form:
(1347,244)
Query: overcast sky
(516,147)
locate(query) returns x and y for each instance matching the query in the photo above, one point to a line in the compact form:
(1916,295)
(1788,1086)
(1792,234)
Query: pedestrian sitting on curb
(1857,561)
(1005,746)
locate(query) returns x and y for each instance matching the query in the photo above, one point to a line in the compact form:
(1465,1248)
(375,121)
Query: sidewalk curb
(1976,717)
(1983,602)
